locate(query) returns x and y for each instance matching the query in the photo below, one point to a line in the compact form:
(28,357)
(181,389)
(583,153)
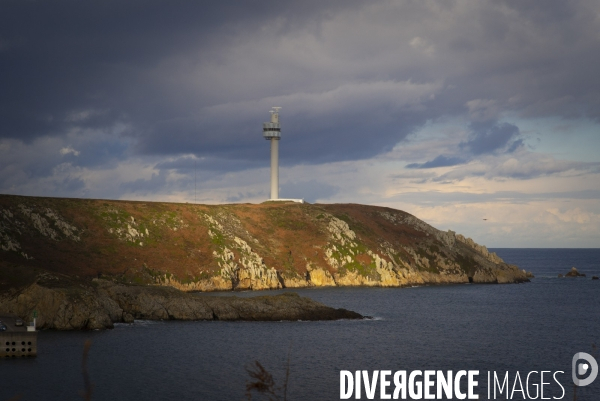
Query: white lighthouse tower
(272,132)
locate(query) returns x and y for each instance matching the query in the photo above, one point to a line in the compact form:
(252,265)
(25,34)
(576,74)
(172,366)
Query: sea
(494,329)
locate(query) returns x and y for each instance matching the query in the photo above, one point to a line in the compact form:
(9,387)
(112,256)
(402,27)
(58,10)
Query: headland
(70,252)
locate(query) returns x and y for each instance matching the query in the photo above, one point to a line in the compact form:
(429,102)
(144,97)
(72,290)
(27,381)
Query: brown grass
(289,236)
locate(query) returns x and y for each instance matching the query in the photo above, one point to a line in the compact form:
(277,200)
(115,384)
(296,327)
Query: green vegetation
(351,250)
(287,219)
(147,230)
(217,238)
(369,270)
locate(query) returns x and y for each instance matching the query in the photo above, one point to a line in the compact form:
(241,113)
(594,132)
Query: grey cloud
(68,56)
(246,195)
(488,137)
(437,197)
(440,161)
(42,158)
(310,191)
(153,184)
(99,152)
(71,185)
(354,77)
(521,165)
(483,110)
(516,145)
(210,165)
(316,126)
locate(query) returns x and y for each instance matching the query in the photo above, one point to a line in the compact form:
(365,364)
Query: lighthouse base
(286,200)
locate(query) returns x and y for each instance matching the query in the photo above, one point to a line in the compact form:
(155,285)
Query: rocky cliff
(239,247)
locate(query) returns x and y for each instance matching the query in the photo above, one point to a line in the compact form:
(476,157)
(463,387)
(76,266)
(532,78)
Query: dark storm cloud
(68,56)
(354,78)
(317,127)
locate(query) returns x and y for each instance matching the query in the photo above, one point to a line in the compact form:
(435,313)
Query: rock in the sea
(574,273)
(594,277)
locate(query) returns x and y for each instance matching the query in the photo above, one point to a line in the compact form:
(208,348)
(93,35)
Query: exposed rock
(574,273)
(244,267)
(448,238)
(287,306)
(491,256)
(291,280)
(64,309)
(594,277)
(321,278)
(217,283)
(354,278)
(106,303)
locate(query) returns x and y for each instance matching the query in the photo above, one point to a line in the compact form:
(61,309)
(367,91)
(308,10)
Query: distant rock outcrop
(574,273)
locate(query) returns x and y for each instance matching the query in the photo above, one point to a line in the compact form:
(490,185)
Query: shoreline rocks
(104,303)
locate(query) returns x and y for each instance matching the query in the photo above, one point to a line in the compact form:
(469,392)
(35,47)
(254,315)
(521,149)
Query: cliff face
(267,246)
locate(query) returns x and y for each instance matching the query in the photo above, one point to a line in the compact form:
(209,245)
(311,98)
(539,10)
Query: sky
(482,117)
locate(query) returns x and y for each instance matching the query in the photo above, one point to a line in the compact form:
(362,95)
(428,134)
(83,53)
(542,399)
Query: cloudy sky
(454,111)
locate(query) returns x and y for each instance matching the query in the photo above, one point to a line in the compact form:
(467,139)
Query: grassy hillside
(240,246)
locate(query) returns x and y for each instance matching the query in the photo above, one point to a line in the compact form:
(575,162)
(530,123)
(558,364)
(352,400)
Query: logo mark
(582,368)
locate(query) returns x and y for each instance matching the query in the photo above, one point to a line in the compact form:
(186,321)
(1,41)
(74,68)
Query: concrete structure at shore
(17,340)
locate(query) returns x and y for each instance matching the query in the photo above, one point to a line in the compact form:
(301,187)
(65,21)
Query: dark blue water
(534,326)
